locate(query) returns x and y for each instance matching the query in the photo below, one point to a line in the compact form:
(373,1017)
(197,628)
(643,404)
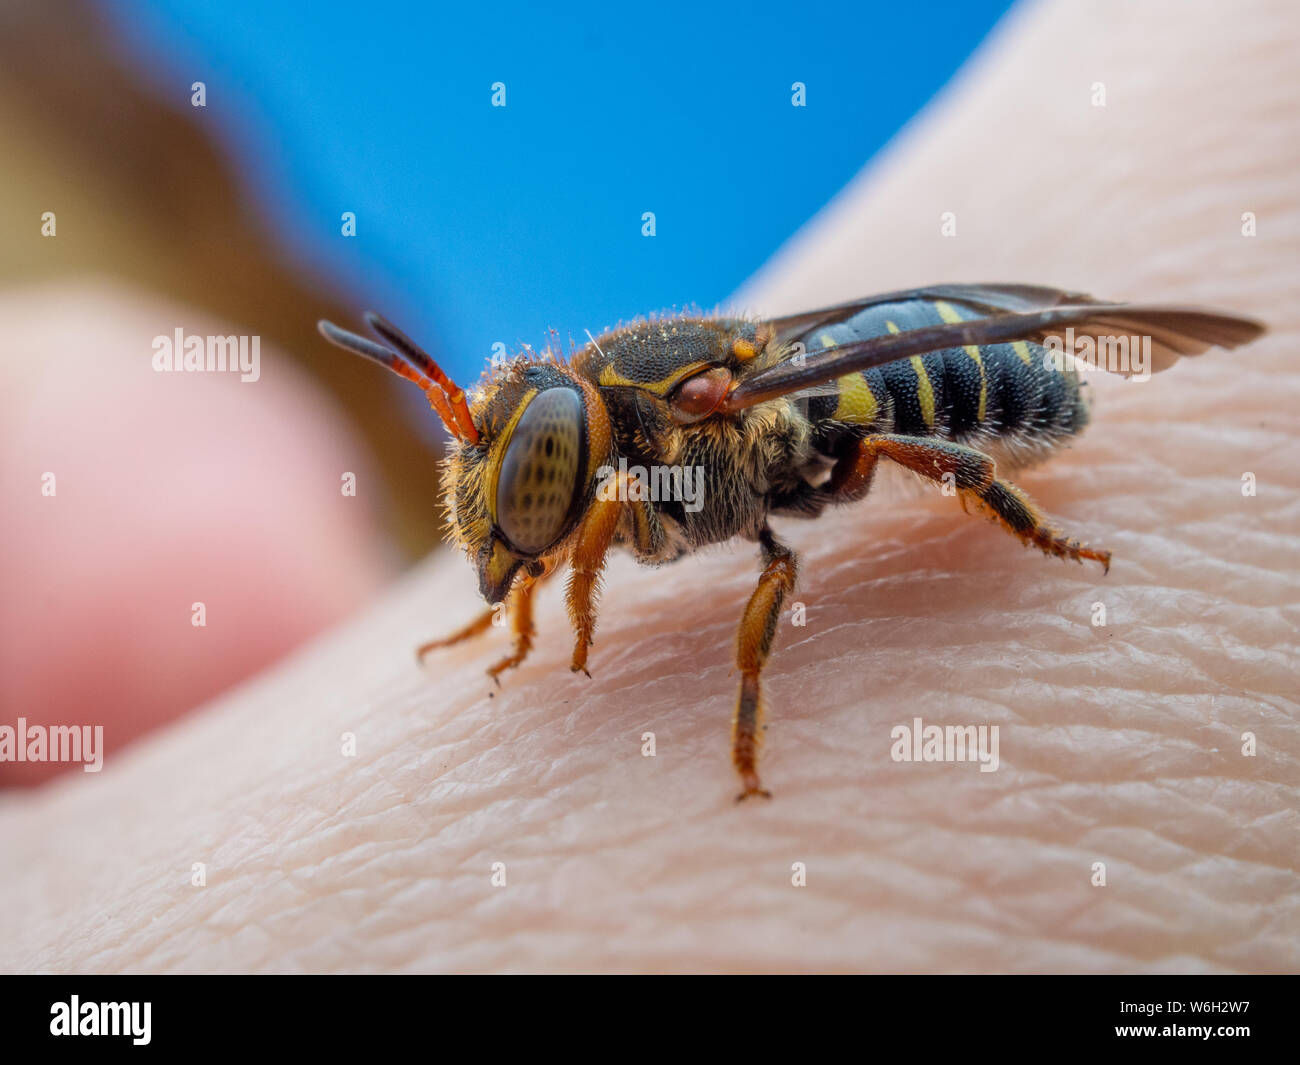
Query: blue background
(479,224)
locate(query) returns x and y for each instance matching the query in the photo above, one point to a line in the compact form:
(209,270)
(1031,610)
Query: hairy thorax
(731,471)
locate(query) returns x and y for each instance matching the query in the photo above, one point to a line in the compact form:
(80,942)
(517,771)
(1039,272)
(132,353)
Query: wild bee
(960,384)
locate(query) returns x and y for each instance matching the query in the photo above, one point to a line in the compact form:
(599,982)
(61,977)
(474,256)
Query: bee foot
(762,793)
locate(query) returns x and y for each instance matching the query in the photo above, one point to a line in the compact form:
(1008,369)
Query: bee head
(517,495)
(522,463)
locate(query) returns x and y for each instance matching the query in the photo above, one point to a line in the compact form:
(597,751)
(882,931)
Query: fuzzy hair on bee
(554,461)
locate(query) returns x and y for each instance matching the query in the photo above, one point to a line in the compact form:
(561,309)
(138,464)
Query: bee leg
(520,609)
(753,643)
(974,476)
(479,625)
(595,535)
(935,459)
(1018,514)
(521,623)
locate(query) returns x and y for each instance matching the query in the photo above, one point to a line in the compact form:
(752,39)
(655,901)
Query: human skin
(1120,743)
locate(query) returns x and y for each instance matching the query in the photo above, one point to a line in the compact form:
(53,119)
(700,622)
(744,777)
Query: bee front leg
(519,608)
(618,496)
(479,625)
(753,643)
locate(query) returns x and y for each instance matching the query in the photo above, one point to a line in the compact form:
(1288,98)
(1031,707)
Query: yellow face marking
(948,314)
(611,378)
(891,326)
(1021,349)
(924,390)
(826,340)
(498,453)
(743,349)
(499,562)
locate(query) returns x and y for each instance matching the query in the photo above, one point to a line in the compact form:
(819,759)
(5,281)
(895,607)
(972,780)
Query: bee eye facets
(539,474)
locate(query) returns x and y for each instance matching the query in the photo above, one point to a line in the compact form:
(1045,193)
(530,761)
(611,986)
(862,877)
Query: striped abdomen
(1001,391)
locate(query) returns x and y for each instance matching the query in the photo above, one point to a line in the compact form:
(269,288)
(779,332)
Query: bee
(786,416)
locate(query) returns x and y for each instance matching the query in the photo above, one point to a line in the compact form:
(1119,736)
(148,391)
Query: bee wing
(1174,332)
(991,297)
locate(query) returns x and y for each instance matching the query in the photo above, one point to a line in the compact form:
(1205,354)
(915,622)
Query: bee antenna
(400,365)
(418,357)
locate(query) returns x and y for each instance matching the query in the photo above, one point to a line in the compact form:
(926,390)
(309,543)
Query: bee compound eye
(539,474)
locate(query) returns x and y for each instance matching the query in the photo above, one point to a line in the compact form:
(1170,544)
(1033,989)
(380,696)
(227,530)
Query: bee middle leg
(974,475)
(753,644)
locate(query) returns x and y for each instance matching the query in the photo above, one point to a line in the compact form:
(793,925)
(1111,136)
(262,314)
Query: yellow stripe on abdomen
(924,391)
(948,314)
(857,403)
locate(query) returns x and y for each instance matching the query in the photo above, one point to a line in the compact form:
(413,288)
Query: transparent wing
(1174,331)
(990,297)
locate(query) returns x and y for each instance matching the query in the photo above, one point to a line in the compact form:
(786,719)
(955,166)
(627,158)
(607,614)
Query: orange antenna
(414,364)
(416,355)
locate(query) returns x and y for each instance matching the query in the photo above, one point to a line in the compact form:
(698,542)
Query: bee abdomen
(999,390)
(1029,398)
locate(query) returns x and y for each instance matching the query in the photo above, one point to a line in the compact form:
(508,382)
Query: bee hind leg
(1018,514)
(753,644)
(973,474)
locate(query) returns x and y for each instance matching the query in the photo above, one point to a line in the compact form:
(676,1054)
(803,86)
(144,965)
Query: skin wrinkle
(615,862)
